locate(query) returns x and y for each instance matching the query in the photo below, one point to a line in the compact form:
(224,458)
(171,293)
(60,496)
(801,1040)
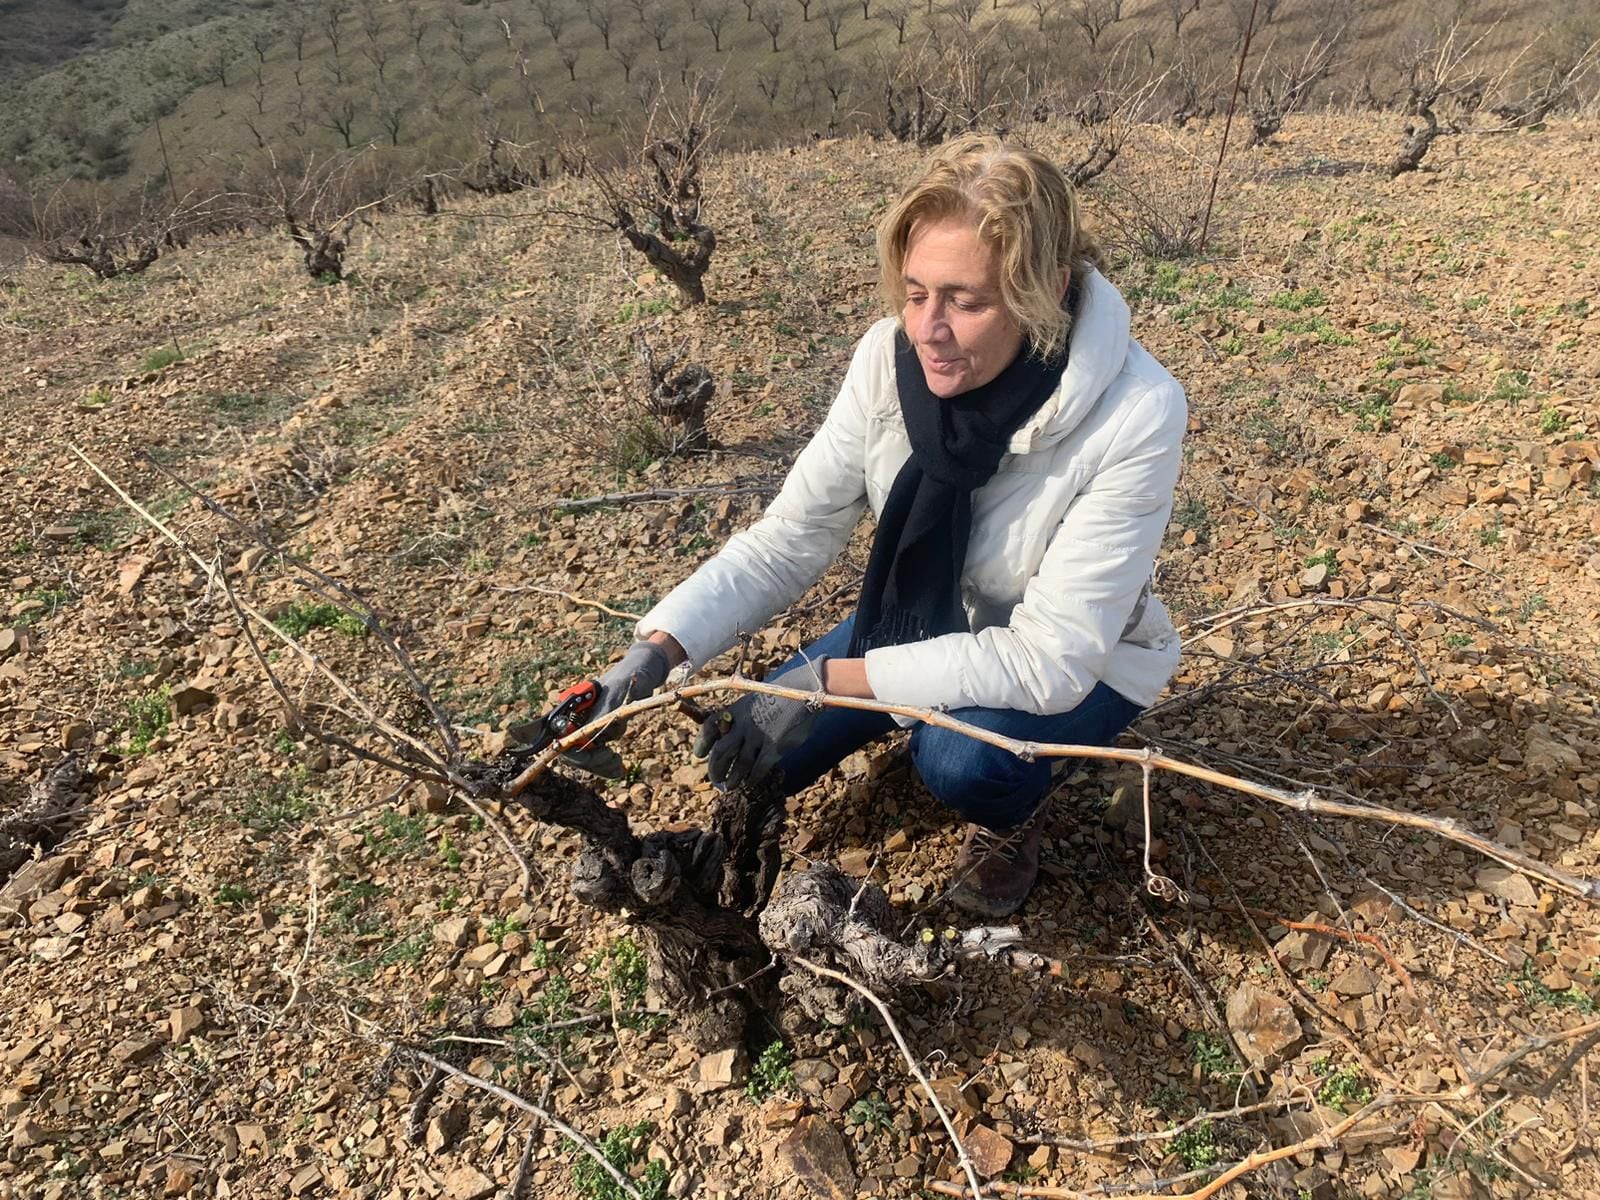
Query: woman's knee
(982,782)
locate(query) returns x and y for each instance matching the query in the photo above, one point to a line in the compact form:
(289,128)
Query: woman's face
(963,334)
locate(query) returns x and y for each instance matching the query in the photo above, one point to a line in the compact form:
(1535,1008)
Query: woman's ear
(1066,282)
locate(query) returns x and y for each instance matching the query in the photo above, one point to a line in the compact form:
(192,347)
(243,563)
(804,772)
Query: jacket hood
(1097,349)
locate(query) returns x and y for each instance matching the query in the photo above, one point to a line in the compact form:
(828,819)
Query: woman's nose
(935,324)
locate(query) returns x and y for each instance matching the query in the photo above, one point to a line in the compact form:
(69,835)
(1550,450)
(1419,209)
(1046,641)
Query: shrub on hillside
(654,201)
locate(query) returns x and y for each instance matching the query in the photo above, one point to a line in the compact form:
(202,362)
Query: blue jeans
(985,784)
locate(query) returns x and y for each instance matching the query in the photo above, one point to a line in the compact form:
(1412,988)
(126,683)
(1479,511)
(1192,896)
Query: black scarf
(912,588)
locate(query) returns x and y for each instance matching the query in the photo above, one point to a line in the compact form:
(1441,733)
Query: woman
(1019,450)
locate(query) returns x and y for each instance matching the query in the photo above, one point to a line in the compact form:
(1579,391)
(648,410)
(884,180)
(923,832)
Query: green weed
(1510,387)
(643,308)
(620,970)
(871,1112)
(1162,285)
(624,1147)
(281,805)
(1552,420)
(502,927)
(242,408)
(773,1072)
(1345,1086)
(407,950)
(552,1006)
(1170,1100)
(1296,301)
(1535,991)
(234,894)
(1374,414)
(448,854)
(162,358)
(397,836)
(1193,515)
(1327,333)
(1212,1055)
(354,910)
(300,619)
(50,602)
(1198,1146)
(148,717)
(1328,558)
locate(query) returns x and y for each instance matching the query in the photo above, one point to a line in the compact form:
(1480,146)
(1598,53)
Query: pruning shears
(570,709)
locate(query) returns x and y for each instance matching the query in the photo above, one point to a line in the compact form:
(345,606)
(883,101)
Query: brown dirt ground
(1393,389)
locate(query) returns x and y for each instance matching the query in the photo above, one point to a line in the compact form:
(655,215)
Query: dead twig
(1589,1032)
(528,1106)
(571,599)
(765,486)
(423,762)
(504,834)
(1333,1025)
(911,1062)
(1254,1162)
(1376,944)
(1099,1145)
(323,585)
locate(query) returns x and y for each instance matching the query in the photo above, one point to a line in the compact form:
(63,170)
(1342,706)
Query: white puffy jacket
(1064,536)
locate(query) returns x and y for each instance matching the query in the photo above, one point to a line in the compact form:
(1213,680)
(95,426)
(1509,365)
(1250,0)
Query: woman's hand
(743,743)
(639,673)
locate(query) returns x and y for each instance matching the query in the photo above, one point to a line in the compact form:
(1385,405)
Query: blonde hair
(1022,206)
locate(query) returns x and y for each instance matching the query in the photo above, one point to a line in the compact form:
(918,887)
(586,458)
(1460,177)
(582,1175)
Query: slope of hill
(1385,555)
(37,35)
(431,77)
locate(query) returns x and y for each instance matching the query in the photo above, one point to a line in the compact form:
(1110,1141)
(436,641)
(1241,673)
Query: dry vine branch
(916,1069)
(527,1106)
(743,486)
(415,758)
(1254,1162)
(322,585)
(1305,801)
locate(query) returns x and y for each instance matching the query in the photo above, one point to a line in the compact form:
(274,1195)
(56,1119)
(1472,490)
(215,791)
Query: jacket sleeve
(767,567)
(1058,640)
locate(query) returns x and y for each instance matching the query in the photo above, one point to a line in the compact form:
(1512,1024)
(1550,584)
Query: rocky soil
(1385,555)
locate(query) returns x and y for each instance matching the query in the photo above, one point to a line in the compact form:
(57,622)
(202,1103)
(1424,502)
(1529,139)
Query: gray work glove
(743,743)
(639,673)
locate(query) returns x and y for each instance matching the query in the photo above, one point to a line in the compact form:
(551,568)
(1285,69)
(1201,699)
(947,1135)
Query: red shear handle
(577,699)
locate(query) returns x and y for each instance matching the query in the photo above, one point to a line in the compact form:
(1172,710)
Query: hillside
(1385,557)
(429,79)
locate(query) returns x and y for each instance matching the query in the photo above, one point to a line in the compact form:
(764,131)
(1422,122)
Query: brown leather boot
(997,867)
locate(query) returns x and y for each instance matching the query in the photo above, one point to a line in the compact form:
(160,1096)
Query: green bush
(1198,1146)
(300,619)
(161,359)
(623,1148)
(148,718)
(772,1073)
